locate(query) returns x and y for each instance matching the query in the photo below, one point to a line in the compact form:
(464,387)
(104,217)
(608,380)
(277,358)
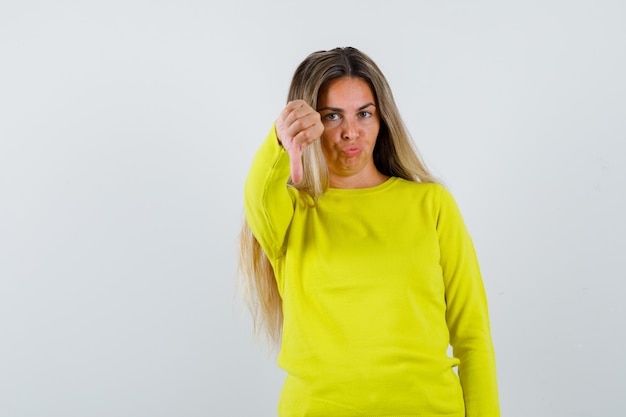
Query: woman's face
(351,124)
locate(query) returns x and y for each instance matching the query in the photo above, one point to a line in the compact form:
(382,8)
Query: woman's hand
(297,126)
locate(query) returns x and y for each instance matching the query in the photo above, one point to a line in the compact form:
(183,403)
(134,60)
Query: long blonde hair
(394,155)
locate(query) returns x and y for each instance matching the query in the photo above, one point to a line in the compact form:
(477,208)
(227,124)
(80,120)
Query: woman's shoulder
(432,194)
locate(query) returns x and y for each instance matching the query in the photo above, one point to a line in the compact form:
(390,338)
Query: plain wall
(126,132)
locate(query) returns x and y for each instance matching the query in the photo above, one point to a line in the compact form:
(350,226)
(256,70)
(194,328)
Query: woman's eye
(331,116)
(365,114)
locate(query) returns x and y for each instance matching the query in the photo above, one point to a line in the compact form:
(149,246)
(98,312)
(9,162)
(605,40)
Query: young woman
(358,262)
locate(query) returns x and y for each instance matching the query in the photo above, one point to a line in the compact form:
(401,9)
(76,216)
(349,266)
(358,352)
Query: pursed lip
(351,151)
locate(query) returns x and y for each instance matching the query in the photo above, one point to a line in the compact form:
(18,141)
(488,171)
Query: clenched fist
(297,126)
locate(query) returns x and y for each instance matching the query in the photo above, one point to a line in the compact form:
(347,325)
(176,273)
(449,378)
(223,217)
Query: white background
(126,131)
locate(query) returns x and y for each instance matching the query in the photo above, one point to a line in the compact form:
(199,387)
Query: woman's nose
(350,130)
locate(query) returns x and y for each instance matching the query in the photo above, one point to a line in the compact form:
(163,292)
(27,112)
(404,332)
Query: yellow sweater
(376,283)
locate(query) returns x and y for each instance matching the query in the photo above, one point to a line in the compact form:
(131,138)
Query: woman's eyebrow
(338,110)
(363,107)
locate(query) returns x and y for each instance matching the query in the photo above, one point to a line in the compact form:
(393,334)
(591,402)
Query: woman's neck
(360,180)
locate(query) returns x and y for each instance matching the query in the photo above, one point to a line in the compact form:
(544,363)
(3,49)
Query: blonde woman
(358,263)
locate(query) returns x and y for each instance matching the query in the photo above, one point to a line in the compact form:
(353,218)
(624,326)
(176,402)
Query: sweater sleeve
(466,313)
(268,202)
